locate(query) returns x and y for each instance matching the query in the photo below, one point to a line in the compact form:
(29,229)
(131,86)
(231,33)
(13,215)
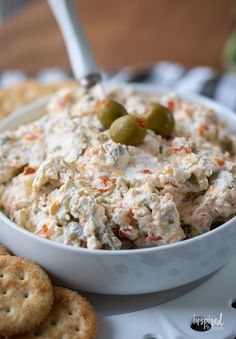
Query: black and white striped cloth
(203,80)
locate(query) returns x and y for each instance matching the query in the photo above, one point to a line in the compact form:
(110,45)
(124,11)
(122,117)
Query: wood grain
(134,32)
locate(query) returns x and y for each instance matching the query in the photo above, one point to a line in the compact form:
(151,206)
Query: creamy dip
(64,179)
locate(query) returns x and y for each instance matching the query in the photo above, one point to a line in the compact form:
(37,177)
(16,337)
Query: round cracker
(3,251)
(26,295)
(71,317)
(14,97)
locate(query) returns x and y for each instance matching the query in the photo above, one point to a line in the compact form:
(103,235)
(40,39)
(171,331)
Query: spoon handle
(82,61)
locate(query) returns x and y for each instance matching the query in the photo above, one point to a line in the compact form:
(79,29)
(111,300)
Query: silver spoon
(83,64)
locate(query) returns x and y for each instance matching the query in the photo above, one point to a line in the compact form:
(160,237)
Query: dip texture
(64,179)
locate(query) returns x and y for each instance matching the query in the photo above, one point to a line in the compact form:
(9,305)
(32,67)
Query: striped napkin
(202,80)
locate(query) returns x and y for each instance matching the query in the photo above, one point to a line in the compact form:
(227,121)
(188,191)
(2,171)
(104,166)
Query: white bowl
(126,271)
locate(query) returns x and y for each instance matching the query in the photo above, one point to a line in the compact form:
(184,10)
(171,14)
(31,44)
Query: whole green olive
(108,111)
(128,130)
(160,119)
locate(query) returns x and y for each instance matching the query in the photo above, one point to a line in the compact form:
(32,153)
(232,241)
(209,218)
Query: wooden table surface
(121,33)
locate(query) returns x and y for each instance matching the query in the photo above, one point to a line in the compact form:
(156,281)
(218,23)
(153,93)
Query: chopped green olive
(108,111)
(192,180)
(128,130)
(160,120)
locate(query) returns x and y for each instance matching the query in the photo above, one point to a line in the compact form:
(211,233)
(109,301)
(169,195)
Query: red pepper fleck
(140,122)
(152,236)
(168,196)
(124,232)
(101,103)
(105,183)
(203,129)
(171,106)
(31,137)
(29,170)
(146,171)
(104,179)
(220,162)
(44,232)
(181,149)
(37,134)
(130,214)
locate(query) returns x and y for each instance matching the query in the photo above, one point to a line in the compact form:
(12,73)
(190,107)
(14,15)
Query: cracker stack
(22,94)
(31,307)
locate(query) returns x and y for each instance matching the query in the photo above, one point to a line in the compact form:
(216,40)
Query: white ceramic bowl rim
(148,88)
